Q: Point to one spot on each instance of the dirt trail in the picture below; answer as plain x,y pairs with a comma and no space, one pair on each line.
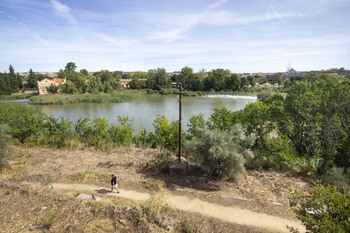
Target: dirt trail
184,203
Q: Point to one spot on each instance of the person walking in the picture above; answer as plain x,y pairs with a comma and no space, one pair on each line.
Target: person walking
114,183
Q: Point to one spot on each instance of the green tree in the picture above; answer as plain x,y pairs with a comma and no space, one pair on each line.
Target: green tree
321,209
167,133
84,72
70,67
222,154
32,79
69,88
12,71
251,80
122,134
157,79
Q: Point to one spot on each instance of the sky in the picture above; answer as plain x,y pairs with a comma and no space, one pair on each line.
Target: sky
139,35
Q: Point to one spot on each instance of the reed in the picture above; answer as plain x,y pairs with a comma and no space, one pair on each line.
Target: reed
115,97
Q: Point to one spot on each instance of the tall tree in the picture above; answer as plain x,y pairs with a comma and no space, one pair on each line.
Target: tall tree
12,71
70,67
32,79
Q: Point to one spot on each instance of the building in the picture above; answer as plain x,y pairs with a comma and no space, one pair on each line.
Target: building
44,84
125,83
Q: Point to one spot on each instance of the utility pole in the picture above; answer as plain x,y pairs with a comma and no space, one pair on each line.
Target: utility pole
180,112
179,167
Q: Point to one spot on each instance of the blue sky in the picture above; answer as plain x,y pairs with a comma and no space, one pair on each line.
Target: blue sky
138,35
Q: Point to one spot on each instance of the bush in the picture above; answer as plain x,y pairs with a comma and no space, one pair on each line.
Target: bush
6,148
167,133
153,208
221,153
122,134
337,177
321,209
161,162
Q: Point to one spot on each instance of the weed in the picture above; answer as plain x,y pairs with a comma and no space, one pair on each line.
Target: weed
50,218
86,174
45,181
153,207
78,177
152,184
190,228
76,194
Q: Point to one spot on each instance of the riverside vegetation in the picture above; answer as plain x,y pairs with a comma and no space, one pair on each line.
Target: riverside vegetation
306,132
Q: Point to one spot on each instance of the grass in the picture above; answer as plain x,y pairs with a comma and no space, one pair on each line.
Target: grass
17,96
152,184
116,97
155,206
85,175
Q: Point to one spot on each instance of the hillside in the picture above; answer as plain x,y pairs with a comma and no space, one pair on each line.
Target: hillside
38,193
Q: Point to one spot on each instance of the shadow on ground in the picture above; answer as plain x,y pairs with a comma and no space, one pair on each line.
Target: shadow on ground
195,179
103,191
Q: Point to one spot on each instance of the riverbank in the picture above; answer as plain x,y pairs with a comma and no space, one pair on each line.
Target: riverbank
116,97
18,96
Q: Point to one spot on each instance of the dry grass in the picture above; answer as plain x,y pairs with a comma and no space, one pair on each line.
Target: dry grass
26,188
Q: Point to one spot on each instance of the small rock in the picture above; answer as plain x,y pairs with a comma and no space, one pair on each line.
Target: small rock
33,228
123,222
43,208
23,226
88,197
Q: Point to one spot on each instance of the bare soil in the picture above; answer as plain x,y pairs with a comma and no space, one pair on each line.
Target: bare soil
38,195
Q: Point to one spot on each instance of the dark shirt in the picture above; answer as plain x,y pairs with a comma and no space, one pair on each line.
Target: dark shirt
113,180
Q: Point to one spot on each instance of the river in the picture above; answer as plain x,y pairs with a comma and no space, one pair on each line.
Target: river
145,109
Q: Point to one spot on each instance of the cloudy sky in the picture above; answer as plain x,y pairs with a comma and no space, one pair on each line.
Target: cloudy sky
138,35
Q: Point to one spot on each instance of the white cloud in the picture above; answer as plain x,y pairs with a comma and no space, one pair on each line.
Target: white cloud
44,42
63,10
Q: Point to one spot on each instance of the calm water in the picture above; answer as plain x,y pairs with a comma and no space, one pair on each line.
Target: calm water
144,110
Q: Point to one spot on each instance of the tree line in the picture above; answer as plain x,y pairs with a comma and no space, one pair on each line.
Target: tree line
105,81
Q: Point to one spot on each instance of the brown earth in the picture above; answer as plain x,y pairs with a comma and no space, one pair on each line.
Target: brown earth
38,194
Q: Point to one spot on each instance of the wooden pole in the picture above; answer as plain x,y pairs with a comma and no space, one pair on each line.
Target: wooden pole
180,103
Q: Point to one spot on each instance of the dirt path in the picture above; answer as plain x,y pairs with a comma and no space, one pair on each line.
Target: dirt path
184,203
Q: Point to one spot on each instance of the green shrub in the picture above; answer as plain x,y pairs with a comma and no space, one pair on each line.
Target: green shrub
167,133
321,209
277,154
337,177
24,121
222,154
6,148
122,134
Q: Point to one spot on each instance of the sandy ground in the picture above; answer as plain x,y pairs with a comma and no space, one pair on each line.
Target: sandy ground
229,214
257,202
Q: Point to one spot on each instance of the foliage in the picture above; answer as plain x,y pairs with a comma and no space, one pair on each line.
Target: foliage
122,134
337,177
10,82
221,119
161,162
152,184
85,98
24,121
278,154
196,121
222,154
321,209
6,149
56,131
153,207
166,133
